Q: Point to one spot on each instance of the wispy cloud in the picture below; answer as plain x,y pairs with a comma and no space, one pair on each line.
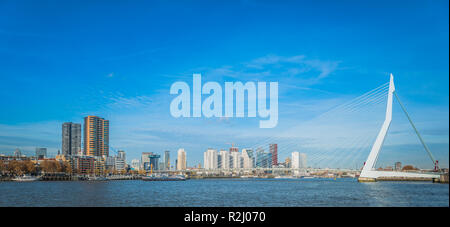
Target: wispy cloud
274,60
120,102
296,66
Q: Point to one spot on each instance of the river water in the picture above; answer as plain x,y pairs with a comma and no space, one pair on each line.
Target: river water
224,192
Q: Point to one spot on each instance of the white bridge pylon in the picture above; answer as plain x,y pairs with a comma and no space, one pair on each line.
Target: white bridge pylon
368,172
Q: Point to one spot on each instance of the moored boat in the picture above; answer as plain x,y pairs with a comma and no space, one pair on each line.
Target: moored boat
26,178
97,178
155,177
286,177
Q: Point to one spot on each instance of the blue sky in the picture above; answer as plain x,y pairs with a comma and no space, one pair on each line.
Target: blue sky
61,61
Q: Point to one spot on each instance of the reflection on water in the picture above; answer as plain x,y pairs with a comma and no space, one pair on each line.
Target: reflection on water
224,192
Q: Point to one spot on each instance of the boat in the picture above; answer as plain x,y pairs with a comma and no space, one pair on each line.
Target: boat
26,178
164,177
91,178
285,177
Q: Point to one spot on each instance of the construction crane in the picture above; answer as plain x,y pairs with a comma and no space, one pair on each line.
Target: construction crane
232,146
113,149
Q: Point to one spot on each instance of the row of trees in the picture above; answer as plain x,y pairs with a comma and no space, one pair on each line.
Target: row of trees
15,168
409,167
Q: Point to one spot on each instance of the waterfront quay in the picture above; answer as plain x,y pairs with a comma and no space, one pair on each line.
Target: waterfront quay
67,177
261,173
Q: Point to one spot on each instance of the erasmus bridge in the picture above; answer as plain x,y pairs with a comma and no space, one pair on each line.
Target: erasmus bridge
368,172
335,152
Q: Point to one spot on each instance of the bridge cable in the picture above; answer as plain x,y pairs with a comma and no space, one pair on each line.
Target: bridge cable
417,132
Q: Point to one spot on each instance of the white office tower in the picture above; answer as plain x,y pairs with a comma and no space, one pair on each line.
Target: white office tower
135,164
303,161
296,163
121,155
295,160
119,164
210,158
224,159
181,161
236,160
247,158
110,161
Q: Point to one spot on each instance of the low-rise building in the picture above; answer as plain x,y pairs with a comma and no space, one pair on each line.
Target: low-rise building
84,164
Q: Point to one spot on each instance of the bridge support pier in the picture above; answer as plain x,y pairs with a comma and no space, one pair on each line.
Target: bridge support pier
366,179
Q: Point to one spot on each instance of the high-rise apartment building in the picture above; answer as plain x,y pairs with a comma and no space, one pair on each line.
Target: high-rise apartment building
298,160
247,156
398,166
150,161
145,158
181,159
120,161
224,159
135,164
119,164
71,138
236,160
96,136
110,161
121,155
263,159
166,160
303,163
295,160
41,152
274,151
210,158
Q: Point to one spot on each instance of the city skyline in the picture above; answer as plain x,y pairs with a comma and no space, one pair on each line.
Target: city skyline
270,146
71,146
123,73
